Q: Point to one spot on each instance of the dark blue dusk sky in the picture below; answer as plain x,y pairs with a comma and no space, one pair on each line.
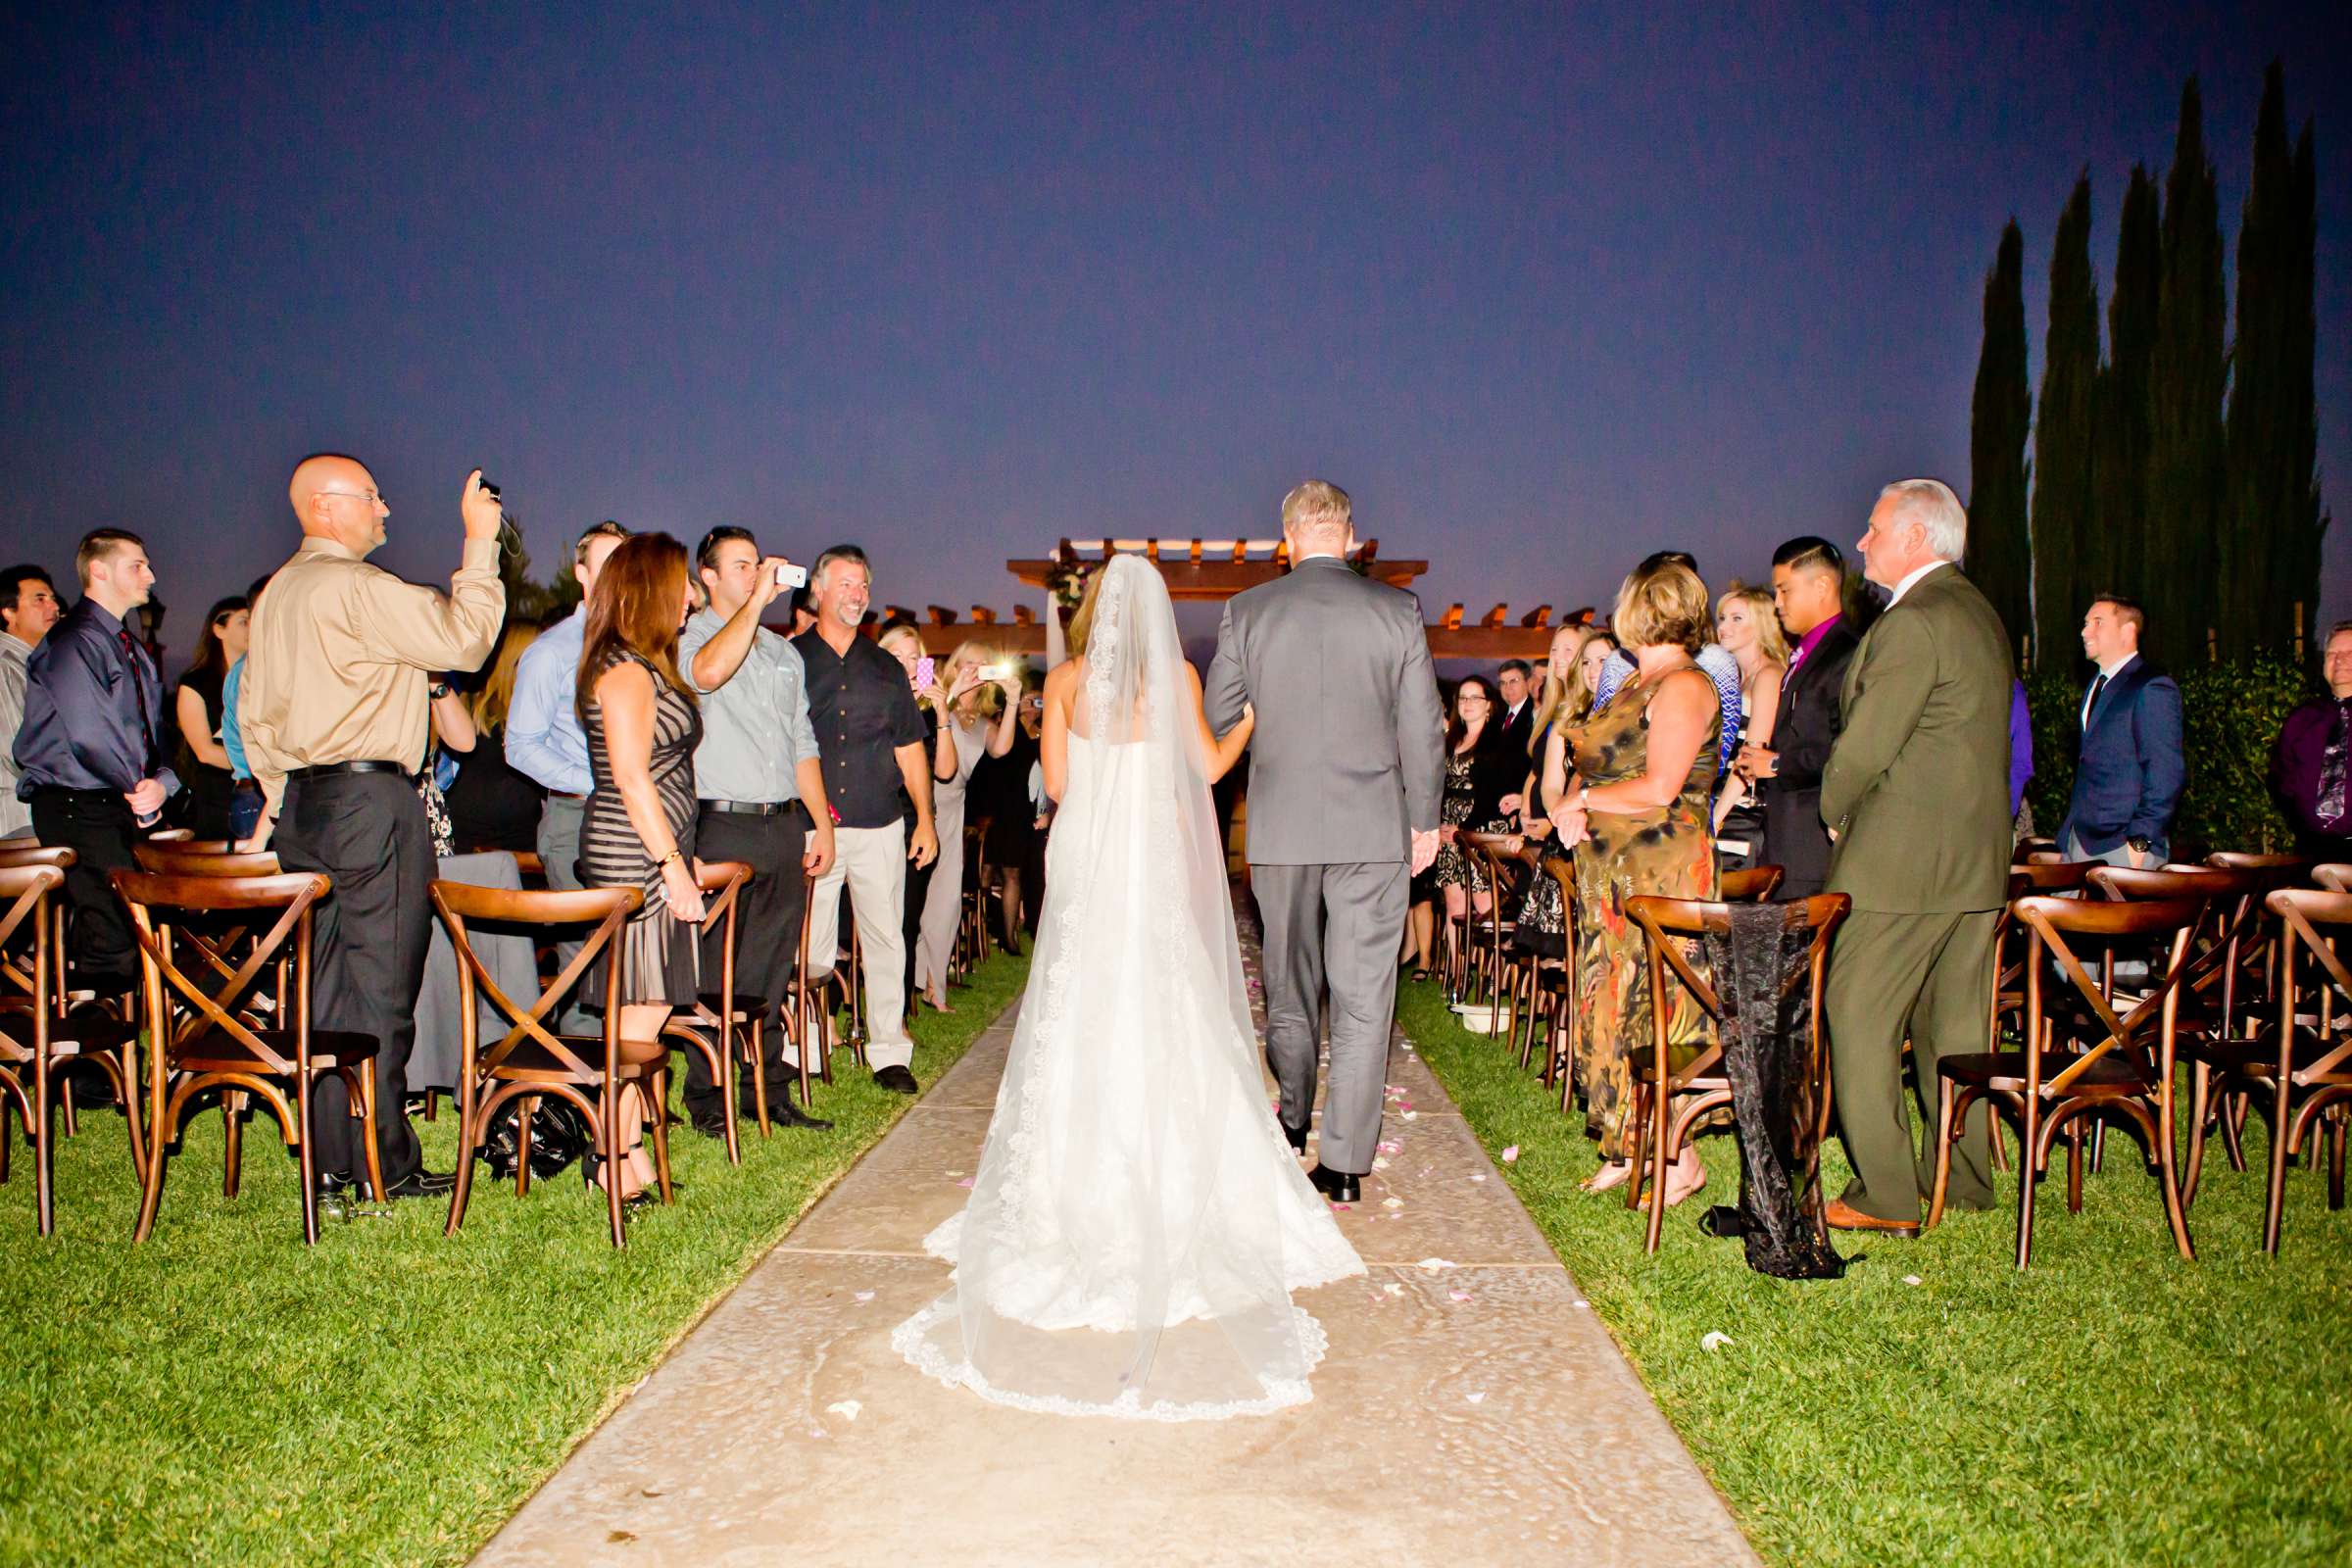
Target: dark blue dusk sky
1543,287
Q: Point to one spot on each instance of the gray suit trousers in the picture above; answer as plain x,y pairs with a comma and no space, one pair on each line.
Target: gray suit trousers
559,855
1335,926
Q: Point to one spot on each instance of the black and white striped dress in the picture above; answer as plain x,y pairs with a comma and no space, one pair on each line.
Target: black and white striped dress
660,956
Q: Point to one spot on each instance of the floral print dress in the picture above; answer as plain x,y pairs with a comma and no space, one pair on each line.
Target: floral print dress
1669,851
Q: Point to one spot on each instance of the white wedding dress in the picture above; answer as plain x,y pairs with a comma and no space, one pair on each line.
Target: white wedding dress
1139,1221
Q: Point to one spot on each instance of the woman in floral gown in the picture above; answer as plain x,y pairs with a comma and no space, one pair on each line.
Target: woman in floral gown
1639,819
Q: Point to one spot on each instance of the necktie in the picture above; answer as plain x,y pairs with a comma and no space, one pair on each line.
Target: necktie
2329,807
2091,705
138,691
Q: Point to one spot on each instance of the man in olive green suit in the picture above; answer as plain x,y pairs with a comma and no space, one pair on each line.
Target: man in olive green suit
1916,796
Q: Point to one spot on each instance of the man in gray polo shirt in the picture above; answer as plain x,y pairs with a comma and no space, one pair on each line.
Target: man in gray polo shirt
763,798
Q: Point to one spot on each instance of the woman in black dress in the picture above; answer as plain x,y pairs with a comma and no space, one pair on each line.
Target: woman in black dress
1482,782
1000,794
637,828
204,760
491,805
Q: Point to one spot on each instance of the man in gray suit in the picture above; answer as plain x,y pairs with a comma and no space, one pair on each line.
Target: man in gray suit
1345,774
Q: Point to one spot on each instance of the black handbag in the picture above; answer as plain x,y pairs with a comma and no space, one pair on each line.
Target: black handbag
560,1135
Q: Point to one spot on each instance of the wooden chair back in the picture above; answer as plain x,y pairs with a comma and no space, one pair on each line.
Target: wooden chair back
2291,870
25,979
605,909
1689,919
2334,877
2052,921
1750,884
2313,923
206,859
182,1005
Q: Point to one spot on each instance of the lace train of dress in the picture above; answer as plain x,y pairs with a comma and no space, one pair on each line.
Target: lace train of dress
1139,1221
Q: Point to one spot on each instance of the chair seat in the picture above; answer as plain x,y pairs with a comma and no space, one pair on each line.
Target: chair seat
744,1005
529,1057
2257,1059
2005,1071
78,1038
223,1051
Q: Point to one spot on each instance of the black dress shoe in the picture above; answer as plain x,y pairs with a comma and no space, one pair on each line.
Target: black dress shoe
1337,1185
784,1114
897,1080
1297,1136
422,1183
711,1124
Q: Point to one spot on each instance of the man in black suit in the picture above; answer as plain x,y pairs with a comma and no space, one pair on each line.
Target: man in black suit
1808,588
1515,684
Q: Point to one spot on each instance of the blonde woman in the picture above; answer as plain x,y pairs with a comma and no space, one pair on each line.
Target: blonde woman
978,713
1639,825
1748,629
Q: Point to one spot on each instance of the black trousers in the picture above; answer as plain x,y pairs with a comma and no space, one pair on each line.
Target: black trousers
368,944
767,935
97,826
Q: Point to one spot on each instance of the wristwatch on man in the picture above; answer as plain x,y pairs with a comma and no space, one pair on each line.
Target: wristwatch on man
2139,844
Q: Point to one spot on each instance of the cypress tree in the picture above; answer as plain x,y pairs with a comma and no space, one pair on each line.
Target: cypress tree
2272,513
2120,478
2000,418
2185,451
2063,434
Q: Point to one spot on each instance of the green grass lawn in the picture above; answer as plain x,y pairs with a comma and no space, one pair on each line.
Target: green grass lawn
222,1395
2113,1405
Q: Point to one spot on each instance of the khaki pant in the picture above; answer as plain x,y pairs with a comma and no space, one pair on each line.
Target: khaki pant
872,861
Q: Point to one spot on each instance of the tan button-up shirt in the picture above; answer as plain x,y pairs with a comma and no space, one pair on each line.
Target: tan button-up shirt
341,655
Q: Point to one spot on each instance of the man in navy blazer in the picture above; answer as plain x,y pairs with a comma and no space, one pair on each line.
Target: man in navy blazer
2129,775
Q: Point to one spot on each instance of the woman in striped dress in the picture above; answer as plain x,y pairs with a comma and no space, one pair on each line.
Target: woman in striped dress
637,829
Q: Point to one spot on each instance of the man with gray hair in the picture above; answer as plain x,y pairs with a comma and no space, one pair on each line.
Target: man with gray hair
1344,777
1916,800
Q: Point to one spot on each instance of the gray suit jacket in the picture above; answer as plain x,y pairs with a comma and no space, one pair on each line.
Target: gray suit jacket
1346,761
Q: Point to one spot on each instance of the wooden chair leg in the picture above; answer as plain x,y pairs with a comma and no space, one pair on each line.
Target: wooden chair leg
523,1106
306,1161
44,1151
2029,1166
2200,1094
2275,1201
2175,1211
723,1069
469,1143
1662,1154
756,1037
2234,1110
2335,1157
371,1146
1944,1097
609,1145
660,1118
232,1114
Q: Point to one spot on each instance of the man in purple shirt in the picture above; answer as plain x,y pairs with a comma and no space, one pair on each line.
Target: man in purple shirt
2308,766
1808,588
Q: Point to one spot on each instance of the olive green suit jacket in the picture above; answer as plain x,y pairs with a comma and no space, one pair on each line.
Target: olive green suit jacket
1917,787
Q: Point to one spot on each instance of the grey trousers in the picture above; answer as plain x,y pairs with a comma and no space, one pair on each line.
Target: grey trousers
560,855
1331,927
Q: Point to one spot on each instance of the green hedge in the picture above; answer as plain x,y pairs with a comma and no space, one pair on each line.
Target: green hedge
2231,715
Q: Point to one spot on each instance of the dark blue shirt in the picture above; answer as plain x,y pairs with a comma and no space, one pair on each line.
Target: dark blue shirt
93,708
862,707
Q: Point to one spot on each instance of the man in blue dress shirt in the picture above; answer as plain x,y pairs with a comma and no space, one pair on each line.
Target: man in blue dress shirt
544,740
85,754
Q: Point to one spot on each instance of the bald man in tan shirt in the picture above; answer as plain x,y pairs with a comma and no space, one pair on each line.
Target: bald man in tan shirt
333,713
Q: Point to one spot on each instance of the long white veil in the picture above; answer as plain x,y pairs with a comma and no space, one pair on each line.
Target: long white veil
1137,1222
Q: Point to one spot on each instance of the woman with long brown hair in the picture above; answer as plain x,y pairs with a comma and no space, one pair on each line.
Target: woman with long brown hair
212,785
637,829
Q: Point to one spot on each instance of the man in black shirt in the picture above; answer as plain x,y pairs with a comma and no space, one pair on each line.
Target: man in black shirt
86,755
870,738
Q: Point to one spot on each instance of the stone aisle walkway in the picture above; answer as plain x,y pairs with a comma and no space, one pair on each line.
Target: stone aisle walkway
1471,1409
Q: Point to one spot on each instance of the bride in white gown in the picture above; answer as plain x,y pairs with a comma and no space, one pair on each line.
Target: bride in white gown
1139,1220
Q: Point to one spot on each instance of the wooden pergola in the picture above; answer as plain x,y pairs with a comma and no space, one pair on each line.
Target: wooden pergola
1213,571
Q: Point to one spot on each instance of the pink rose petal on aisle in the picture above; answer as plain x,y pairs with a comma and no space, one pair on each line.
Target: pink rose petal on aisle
1459,1296
1390,1148
966,1182
1510,1154
865,1296
1480,1177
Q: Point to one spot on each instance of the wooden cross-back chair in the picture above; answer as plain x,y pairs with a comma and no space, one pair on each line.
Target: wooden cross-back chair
37,1042
2303,1072
532,1062
1486,936
205,1033
971,914
2046,873
2112,1063
2228,980
808,1013
1535,998
724,1024
1659,1127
